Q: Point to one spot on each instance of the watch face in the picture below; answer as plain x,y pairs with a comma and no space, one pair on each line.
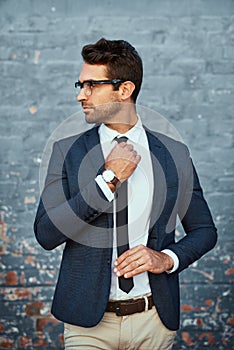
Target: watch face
108,175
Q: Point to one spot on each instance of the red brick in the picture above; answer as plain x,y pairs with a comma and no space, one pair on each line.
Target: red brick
209,336
24,342
6,343
61,339
22,278
11,278
230,320
199,322
40,342
23,293
187,307
187,339
34,309
42,322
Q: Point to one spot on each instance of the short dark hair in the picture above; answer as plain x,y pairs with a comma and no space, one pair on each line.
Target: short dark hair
121,59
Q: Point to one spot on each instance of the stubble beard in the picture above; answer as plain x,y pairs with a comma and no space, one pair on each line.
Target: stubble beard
105,113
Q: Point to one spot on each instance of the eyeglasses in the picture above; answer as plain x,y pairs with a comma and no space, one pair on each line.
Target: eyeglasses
87,85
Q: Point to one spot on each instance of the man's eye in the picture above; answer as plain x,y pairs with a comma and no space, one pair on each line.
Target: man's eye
89,84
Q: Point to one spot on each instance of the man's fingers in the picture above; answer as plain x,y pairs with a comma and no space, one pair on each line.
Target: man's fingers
122,160
131,269
140,259
131,262
128,254
138,158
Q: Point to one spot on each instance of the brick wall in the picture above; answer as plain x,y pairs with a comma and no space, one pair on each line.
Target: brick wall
187,48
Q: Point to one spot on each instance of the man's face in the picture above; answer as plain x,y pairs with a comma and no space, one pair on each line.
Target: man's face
103,104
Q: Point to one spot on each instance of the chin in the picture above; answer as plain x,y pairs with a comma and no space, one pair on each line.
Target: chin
90,119
93,119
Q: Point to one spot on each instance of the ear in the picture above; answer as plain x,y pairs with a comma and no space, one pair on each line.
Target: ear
126,89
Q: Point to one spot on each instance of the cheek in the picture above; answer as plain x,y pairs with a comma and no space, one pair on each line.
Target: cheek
102,97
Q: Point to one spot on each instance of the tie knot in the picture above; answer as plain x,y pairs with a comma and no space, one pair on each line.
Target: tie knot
121,139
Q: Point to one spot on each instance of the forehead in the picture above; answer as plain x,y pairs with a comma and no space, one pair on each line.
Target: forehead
92,72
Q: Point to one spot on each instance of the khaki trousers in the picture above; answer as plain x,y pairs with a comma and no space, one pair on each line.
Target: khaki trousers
143,331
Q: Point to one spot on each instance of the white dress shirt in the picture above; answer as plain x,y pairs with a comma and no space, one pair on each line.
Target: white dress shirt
140,198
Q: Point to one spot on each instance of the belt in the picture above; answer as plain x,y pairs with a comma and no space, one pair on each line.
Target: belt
130,306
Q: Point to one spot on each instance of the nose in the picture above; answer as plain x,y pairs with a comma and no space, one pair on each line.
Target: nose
81,96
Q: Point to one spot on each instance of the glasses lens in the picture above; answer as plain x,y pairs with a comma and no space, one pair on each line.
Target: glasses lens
86,85
87,88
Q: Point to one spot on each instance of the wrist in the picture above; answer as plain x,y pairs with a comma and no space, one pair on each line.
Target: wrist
110,178
104,188
111,186
174,258
169,262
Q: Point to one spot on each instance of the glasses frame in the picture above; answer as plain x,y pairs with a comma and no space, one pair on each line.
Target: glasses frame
91,83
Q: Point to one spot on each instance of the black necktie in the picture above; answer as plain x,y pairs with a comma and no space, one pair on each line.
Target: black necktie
126,284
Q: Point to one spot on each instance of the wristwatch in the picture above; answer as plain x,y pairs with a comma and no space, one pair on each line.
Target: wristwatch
109,176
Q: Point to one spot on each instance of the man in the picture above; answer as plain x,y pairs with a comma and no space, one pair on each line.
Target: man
118,283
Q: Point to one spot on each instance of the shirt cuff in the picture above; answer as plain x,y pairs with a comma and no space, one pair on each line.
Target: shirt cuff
105,188
175,259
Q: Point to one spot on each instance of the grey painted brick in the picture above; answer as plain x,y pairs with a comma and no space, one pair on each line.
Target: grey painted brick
11,149
90,7
220,67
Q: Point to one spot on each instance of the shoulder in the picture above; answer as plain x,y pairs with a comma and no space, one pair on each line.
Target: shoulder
81,137
68,143
173,146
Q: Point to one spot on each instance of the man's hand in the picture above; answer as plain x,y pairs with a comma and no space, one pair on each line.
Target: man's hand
122,160
140,259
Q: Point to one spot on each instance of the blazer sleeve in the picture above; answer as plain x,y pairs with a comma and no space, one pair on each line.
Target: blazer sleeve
60,216
196,219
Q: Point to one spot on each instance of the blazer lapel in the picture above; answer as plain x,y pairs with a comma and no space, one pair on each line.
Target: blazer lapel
158,156
166,182
94,150
97,161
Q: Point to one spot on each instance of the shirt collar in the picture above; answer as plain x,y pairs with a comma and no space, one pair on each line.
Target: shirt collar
133,134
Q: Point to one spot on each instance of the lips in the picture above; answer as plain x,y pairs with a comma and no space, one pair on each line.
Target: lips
86,106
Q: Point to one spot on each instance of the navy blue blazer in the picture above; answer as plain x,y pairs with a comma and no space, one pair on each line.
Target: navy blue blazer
73,210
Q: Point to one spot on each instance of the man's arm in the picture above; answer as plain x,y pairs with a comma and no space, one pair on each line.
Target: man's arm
60,217
201,235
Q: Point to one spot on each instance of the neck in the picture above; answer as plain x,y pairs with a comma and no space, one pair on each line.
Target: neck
124,121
